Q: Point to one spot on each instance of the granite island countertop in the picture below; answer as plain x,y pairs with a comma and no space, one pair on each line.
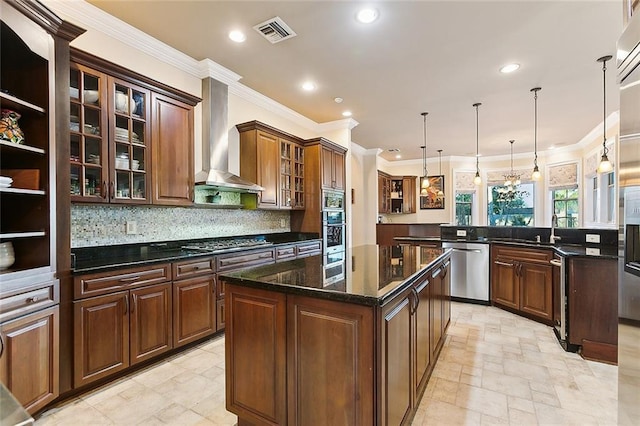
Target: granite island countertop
370,277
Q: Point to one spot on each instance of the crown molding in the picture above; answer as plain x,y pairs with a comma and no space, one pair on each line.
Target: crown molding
87,15
357,149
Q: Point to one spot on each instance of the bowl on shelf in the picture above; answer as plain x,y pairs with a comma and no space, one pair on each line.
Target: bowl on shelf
122,102
91,96
74,92
135,164
7,256
122,163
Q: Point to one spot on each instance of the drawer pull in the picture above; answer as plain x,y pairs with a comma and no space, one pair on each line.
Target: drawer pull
497,262
33,299
130,279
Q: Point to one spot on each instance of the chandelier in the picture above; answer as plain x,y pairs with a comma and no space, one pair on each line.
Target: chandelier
424,180
511,179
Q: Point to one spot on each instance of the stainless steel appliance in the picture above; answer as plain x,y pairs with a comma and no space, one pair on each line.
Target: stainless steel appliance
469,272
333,222
628,171
227,245
561,306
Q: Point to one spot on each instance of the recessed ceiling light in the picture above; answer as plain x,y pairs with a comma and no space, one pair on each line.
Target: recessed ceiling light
509,68
237,36
398,156
308,86
338,100
367,16
346,114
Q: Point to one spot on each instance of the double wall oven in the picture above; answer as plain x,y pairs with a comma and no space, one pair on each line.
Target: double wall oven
333,235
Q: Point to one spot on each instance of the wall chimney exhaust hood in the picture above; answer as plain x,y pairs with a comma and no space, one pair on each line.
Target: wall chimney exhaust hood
215,142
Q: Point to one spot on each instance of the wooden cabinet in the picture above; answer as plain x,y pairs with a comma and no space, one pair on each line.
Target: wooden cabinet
291,175
384,193
422,348
348,329
101,337
172,172
396,347
120,329
333,168
194,307
131,138
593,307
522,280
120,318
396,194
256,355
274,160
29,358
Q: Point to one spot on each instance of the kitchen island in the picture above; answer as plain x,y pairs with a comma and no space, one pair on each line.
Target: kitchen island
355,351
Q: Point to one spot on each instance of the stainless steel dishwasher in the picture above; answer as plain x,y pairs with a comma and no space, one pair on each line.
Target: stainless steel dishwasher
469,272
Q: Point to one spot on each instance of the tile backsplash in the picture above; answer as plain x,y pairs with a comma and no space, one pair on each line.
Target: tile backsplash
98,225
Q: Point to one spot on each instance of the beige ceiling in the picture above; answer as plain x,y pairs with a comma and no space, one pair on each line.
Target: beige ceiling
439,57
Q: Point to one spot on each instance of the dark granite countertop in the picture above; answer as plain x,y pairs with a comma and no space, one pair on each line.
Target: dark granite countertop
373,274
587,250
103,258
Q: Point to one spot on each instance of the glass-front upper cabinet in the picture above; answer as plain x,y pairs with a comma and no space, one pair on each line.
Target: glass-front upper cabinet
88,135
129,138
291,175
109,138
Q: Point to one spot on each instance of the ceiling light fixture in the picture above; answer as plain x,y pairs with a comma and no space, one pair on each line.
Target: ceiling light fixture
338,100
424,180
367,16
237,36
347,114
511,179
509,68
308,86
440,193
477,180
605,165
398,156
536,171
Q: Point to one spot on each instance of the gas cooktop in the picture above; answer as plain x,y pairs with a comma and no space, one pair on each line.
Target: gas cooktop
225,245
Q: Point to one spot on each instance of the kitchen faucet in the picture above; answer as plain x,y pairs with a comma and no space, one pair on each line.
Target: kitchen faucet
554,224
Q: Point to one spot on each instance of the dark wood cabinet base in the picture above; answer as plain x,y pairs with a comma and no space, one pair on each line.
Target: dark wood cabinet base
598,351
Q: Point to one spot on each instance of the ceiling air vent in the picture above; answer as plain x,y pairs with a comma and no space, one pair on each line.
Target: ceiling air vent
275,30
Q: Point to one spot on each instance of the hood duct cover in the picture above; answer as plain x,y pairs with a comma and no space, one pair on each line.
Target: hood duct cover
215,141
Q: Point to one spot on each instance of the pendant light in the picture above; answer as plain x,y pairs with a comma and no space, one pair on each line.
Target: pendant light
536,172
440,193
424,180
477,180
511,179
605,165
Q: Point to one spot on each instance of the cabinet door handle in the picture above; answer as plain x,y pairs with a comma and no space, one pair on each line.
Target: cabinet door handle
1,346
135,302
126,305
129,280
104,189
112,191
497,262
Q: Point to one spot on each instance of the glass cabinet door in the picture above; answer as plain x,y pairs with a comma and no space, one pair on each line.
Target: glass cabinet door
298,176
130,140
87,140
285,174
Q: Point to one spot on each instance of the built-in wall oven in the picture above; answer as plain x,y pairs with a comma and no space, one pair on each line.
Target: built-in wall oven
333,222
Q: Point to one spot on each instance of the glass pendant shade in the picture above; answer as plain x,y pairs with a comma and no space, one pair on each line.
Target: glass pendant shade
536,173
605,165
477,180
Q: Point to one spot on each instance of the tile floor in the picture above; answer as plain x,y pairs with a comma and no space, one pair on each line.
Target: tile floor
495,368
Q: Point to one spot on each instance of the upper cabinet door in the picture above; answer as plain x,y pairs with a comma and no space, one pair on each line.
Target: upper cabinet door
129,137
172,150
88,138
338,171
268,167
332,169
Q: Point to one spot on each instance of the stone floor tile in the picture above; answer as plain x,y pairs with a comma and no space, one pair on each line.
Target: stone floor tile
482,400
521,404
508,385
441,413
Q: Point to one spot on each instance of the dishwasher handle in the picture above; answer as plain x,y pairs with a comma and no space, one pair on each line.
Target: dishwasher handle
467,250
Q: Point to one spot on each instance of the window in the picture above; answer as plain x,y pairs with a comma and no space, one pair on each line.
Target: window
594,200
464,207
565,207
611,195
511,207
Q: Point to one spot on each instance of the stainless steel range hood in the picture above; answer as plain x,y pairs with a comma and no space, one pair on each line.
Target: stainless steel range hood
215,142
